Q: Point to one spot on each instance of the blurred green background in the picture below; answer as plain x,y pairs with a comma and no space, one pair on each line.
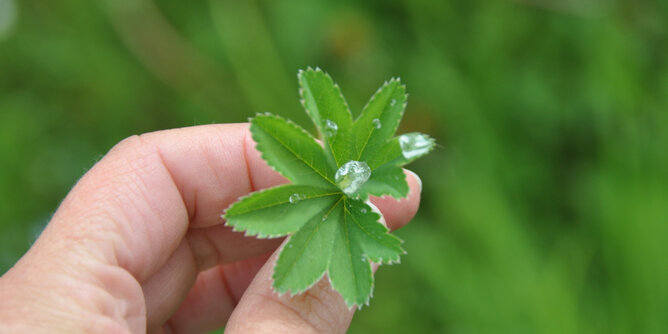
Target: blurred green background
545,208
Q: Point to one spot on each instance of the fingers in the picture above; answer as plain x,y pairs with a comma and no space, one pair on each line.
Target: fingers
220,245
214,296
317,310
164,291
133,208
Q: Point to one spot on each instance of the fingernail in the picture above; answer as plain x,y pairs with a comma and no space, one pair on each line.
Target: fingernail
417,178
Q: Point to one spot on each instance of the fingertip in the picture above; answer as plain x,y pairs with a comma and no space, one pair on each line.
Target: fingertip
399,212
320,309
417,179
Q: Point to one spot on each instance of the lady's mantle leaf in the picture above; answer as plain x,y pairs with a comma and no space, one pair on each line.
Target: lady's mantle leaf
305,258
386,180
279,211
324,102
373,130
402,150
360,239
340,240
375,240
350,269
331,231
292,151
379,120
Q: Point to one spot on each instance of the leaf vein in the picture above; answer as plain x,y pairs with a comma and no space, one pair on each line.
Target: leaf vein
315,230
298,157
257,208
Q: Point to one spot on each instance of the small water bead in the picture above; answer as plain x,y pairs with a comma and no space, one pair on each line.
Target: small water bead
330,128
363,210
376,123
352,175
393,102
415,144
294,198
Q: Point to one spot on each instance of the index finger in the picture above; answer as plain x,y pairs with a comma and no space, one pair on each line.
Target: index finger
143,196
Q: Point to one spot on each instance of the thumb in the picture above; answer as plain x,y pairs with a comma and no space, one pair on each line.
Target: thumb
261,310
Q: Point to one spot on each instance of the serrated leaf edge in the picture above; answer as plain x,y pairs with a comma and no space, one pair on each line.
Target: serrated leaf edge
326,272
296,126
365,196
374,96
309,112
329,78
375,211
253,233
372,99
348,302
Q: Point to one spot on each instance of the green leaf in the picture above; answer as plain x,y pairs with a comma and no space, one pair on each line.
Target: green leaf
388,154
326,106
402,150
291,151
278,211
349,268
386,180
377,243
379,119
329,231
305,257
360,238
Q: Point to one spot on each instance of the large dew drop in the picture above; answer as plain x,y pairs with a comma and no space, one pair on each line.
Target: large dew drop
330,128
352,175
414,144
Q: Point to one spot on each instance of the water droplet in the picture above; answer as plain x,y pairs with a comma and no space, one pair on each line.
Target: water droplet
414,144
363,210
363,258
330,128
376,123
289,246
352,175
294,198
393,102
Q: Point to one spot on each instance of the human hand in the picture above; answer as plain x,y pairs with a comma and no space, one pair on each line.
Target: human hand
138,245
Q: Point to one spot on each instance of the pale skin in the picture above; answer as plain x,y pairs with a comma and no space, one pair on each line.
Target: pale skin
139,245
